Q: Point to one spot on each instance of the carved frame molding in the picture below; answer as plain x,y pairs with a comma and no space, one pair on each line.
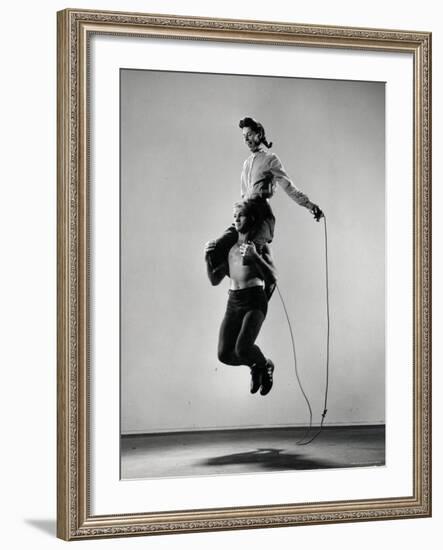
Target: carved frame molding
75,27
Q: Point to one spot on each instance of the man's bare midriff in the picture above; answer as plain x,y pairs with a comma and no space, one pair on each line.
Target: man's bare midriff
242,276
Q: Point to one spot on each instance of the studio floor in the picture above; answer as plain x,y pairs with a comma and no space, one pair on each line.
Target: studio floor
249,451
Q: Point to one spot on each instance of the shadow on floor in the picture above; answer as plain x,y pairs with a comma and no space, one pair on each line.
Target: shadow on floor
48,526
272,459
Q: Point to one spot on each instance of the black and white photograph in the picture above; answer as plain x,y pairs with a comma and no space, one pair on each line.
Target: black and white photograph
221,262
252,274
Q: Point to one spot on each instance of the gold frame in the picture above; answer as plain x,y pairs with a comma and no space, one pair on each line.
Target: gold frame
74,520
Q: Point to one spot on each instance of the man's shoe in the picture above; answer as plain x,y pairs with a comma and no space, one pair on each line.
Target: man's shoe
267,377
256,379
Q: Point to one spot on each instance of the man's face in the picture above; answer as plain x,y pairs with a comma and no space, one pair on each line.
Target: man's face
252,139
240,219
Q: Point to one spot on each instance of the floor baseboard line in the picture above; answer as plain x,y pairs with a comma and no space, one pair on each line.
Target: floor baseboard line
254,428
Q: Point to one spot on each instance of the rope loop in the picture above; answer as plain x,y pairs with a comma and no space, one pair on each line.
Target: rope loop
325,410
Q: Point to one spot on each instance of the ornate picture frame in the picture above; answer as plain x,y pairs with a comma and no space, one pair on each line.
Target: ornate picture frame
76,519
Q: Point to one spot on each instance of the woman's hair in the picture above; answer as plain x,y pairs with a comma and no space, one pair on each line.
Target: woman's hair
249,122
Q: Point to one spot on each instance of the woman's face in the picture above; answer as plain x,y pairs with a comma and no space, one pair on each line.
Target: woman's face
252,139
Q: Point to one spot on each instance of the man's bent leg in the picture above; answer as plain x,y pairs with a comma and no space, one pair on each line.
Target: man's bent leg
241,325
245,348
262,369
227,338
249,353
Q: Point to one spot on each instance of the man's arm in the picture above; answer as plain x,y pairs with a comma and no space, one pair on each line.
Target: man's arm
215,274
264,262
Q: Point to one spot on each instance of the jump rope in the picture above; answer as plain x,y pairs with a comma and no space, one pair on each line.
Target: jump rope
308,437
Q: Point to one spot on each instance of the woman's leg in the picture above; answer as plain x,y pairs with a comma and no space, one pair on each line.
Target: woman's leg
222,246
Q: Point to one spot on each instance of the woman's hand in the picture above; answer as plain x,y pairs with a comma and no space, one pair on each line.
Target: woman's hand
317,213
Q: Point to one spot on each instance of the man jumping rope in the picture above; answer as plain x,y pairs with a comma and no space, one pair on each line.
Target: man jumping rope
247,303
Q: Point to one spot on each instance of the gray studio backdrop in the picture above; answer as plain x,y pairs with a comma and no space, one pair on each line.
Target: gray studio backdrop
181,158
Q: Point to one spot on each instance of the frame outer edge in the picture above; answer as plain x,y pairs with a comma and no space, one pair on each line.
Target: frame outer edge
63,420
72,491
426,270
427,254
429,143
422,284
